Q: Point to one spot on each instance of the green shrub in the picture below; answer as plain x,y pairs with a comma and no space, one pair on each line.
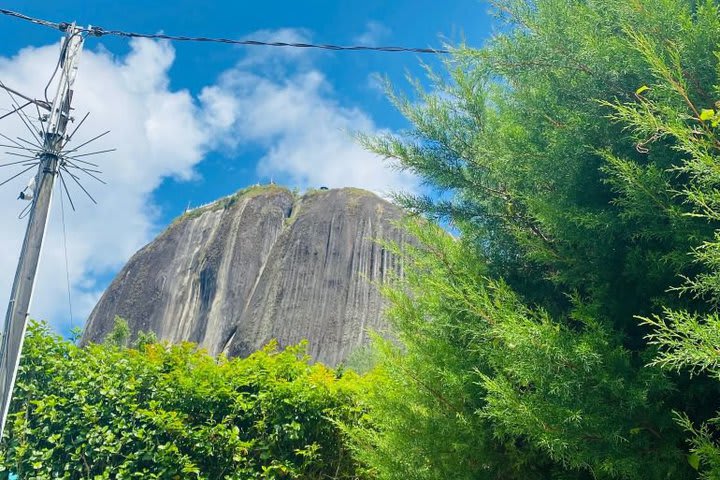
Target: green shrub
167,411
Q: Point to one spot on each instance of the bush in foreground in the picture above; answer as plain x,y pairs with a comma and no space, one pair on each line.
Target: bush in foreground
171,411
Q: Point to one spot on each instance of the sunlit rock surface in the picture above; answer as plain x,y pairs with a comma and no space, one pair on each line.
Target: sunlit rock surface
262,264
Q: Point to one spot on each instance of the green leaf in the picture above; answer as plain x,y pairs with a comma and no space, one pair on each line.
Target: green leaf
102,401
642,90
694,460
707,114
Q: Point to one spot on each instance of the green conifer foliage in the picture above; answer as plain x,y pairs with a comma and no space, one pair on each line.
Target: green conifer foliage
486,387
576,154
519,135
683,109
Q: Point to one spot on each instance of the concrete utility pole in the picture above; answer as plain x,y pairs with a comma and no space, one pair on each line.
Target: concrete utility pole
50,162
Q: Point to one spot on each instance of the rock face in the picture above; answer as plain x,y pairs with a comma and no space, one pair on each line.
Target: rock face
259,265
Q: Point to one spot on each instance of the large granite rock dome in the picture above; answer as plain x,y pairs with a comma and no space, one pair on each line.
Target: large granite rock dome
259,265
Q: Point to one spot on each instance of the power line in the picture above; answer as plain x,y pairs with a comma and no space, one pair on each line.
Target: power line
36,21
101,32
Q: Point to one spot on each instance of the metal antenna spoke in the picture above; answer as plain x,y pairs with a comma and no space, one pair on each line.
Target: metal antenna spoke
79,160
24,149
67,192
13,141
20,155
39,103
77,180
15,163
86,172
95,153
22,115
92,170
14,110
28,142
26,120
74,165
17,175
94,176
89,141
28,123
40,119
13,146
77,127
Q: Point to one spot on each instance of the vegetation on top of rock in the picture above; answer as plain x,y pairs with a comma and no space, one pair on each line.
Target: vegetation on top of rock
230,200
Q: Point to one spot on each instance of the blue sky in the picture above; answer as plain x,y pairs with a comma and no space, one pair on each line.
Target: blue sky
194,122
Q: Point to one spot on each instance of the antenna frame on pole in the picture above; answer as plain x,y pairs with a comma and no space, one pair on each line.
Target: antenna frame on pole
49,166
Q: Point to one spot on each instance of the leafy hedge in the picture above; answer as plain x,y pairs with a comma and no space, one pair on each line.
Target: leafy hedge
163,411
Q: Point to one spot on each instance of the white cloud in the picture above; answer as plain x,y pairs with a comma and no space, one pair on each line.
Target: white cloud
306,133
374,33
275,60
158,133
272,99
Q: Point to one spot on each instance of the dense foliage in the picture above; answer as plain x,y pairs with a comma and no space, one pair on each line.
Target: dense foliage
577,156
672,108
166,412
488,387
570,332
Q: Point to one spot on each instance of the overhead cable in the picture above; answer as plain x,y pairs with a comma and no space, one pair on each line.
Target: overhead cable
101,32
36,21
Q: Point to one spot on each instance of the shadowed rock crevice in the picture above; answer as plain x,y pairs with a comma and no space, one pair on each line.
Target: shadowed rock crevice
258,265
